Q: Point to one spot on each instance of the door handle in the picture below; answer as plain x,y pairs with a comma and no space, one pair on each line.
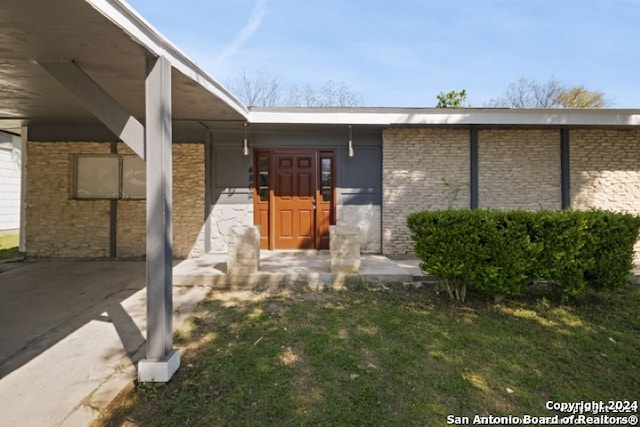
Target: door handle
313,200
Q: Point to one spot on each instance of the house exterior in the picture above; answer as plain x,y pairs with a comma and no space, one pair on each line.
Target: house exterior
297,177
130,150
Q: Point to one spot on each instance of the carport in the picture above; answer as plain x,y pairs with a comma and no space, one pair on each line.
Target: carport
72,65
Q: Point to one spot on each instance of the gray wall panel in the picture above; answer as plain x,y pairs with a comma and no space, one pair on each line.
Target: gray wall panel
358,178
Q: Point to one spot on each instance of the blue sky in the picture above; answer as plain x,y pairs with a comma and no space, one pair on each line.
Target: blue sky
402,53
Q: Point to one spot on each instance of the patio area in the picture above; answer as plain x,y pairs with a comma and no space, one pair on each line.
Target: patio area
301,269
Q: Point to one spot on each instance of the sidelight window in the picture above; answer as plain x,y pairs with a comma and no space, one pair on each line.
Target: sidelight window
325,179
263,178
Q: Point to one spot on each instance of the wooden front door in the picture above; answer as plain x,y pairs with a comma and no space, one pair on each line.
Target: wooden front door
294,198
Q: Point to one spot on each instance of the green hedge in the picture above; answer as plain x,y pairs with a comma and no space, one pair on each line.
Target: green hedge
501,252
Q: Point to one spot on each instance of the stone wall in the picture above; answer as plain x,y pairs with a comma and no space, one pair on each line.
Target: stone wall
605,169
519,169
221,219
188,196
58,226
367,219
421,169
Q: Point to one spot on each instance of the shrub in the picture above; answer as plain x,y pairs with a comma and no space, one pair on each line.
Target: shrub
500,252
610,249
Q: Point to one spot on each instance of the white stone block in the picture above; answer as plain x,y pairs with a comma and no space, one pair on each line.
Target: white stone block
244,250
159,371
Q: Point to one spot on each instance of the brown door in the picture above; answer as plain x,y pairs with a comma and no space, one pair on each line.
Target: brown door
294,203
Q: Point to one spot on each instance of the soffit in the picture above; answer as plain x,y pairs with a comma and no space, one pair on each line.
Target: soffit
111,44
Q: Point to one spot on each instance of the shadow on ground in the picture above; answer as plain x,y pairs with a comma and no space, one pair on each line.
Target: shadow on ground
41,303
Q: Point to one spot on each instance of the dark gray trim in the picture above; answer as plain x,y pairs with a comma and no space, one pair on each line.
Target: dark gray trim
41,132
565,169
93,131
473,167
113,217
208,189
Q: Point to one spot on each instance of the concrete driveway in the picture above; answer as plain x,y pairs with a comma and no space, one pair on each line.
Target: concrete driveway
71,335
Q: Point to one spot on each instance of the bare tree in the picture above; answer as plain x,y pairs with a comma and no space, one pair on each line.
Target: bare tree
265,90
261,89
527,93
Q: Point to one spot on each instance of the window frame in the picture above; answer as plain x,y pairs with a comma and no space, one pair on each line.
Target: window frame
119,188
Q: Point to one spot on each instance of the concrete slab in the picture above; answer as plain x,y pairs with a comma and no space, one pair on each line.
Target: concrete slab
72,334
302,269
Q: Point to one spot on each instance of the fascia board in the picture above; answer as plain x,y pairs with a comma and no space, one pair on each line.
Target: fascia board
391,117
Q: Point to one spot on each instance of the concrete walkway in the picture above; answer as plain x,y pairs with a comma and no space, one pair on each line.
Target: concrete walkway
72,334
73,331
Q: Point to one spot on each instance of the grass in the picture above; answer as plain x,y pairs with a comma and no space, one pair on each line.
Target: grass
393,357
9,246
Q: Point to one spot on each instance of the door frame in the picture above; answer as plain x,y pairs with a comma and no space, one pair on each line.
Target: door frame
264,198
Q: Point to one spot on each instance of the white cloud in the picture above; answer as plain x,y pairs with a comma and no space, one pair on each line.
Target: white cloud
245,33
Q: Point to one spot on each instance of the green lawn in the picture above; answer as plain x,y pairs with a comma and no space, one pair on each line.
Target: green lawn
393,357
9,246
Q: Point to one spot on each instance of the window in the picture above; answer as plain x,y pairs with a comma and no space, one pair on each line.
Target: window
325,179
134,178
97,177
109,177
263,178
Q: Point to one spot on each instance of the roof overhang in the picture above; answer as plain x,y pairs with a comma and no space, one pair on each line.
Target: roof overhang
387,117
111,44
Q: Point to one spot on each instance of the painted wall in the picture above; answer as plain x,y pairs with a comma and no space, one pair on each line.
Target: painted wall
358,179
10,182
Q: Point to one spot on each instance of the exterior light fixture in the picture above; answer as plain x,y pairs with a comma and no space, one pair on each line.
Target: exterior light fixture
350,142
245,143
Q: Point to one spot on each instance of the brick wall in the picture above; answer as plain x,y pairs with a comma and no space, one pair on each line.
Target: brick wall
519,169
414,164
605,169
58,226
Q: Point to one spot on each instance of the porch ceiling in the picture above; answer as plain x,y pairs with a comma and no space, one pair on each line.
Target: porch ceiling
110,43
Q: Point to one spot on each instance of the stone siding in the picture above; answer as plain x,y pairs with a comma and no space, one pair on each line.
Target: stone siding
222,218
519,169
366,218
605,170
58,226
188,196
421,169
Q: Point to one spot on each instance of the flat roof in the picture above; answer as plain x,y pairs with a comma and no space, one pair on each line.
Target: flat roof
445,116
